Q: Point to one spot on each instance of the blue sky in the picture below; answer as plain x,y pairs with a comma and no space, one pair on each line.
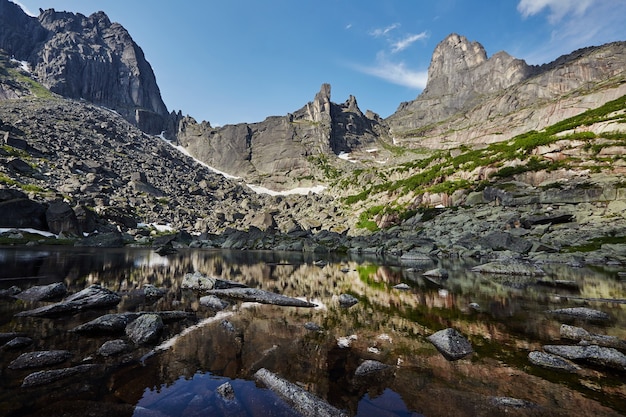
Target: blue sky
234,61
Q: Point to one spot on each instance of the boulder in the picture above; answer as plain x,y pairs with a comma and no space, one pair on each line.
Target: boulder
436,273
43,292
260,296
369,367
40,359
145,329
603,356
302,401
553,362
18,343
94,296
200,282
451,344
23,213
62,219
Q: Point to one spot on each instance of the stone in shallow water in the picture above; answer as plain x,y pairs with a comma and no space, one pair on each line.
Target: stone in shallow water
40,359
603,356
47,377
582,313
113,347
145,329
347,300
260,296
94,296
43,292
451,344
549,361
581,335
369,367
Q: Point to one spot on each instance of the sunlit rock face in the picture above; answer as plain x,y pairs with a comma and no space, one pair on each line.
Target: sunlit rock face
471,98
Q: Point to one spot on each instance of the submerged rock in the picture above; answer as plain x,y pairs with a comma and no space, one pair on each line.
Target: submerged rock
369,367
18,343
213,302
200,282
260,296
109,323
436,273
40,359
549,361
113,347
302,401
94,296
451,344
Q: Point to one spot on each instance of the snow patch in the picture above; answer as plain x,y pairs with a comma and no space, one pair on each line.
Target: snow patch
298,190
28,230
23,65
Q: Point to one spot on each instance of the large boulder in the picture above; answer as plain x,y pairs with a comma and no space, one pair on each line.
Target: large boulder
43,292
603,356
62,219
145,329
94,296
260,296
40,359
23,213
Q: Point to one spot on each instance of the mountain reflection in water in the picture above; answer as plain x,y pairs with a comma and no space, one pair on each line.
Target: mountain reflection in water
503,317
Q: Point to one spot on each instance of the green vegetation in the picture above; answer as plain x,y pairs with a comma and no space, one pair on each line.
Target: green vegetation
26,187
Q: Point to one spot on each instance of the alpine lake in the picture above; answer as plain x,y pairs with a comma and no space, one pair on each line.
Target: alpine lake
318,349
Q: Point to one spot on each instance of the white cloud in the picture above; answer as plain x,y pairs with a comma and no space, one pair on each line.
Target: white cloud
377,33
395,72
558,8
574,25
348,26
24,8
407,41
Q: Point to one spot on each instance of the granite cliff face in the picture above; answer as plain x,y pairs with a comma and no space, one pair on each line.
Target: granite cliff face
282,152
86,58
472,99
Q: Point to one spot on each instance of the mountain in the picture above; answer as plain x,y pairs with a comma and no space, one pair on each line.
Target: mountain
471,99
86,58
284,152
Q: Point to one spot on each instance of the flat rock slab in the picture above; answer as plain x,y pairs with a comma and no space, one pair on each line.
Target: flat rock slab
451,344
553,362
47,377
582,313
260,296
145,329
43,292
509,268
603,356
579,334
94,296
200,282
113,347
40,359
370,367
109,323
302,401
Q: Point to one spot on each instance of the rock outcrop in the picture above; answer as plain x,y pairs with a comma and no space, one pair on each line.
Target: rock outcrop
472,99
87,58
284,152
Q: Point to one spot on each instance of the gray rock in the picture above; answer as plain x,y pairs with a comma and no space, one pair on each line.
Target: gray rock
10,292
347,300
145,329
94,296
603,356
581,335
43,292
302,401
200,282
62,219
369,367
451,344
226,391
582,313
109,323
40,359
102,240
18,343
151,291
46,377
113,347
402,286
213,302
508,402
509,268
436,273
314,327
553,362
23,213
260,296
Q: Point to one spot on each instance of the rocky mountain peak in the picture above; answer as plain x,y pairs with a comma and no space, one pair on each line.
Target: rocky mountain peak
86,57
319,109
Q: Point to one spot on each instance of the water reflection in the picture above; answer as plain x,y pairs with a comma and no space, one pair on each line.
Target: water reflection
504,318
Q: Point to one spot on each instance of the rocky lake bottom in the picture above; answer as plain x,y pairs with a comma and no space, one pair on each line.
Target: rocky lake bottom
360,344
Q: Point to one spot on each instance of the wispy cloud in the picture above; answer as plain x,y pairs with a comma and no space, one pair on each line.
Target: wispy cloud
24,8
558,8
407,41
575,24
377,33
395,72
